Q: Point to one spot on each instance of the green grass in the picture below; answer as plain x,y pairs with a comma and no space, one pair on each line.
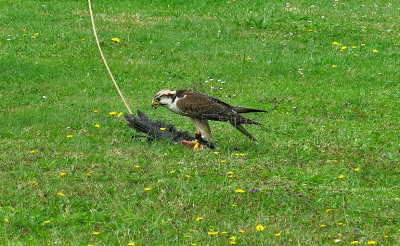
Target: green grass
322,122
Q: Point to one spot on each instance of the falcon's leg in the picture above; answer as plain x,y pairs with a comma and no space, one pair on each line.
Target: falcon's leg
203,127
243,130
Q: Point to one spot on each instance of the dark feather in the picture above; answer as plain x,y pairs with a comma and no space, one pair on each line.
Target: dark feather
143,124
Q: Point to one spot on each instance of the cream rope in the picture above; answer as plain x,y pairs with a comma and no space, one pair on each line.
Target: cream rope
104,60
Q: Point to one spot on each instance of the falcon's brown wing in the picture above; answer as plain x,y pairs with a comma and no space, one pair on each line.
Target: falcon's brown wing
204,107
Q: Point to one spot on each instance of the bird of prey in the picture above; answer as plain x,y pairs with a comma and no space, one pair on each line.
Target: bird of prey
201,108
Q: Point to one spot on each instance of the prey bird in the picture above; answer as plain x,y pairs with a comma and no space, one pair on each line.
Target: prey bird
201,108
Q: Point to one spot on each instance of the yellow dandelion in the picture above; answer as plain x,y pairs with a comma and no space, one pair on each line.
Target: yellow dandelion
248,58
69,136
33,37
337,241
335,43
172,171
7,220
187,176
343,47
334,66
216,152
97,125
386,236
239,191
186,235
277,234
162,128
47,221
234,205
363,44
33,152
23,29
83,39
355,54
328,210
194,244
375,51
63,174
241,231
239,154
354,242
131,244
96,110
212,233
120,114
224,232
223,161
322,226
88,174
34,181
24,34
96,233
371,242
36,34
199,218
341,176
353,47
60,194
232,242
116,40
147,188
260,228
340,223
232,238
112,113
90,245
356,169
310,30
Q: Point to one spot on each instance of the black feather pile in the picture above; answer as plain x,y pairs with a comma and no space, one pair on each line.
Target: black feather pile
158,130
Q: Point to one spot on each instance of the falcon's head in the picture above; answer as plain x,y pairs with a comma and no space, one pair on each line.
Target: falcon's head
163,98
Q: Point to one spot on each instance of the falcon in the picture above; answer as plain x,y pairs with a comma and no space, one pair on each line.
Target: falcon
201,108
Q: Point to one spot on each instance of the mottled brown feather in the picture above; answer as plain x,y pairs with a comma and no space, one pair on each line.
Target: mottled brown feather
205,107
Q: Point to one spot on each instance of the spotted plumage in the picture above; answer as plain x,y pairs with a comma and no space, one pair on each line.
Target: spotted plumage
201,108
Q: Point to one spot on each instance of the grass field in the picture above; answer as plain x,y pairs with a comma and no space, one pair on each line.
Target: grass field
326,169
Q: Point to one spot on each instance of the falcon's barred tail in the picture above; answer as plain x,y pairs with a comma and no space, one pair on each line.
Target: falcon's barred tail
242,120
241,110
243,130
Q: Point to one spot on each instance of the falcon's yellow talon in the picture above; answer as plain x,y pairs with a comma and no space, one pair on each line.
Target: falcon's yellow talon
197,145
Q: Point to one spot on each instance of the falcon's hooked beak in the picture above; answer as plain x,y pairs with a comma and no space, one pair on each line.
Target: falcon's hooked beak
154,103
